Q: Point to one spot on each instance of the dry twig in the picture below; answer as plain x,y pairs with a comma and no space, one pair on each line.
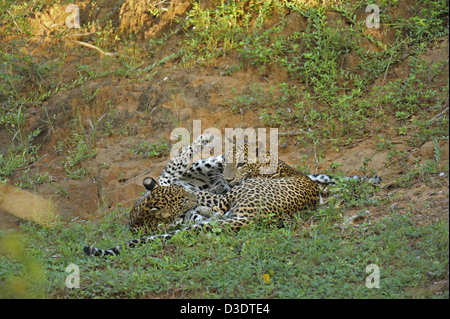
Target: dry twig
91,46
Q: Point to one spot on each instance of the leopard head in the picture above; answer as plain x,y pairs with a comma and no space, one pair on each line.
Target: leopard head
160,205
236,157
242,161
235,173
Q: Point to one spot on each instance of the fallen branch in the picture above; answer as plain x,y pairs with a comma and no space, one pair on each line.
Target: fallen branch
439,115
91,46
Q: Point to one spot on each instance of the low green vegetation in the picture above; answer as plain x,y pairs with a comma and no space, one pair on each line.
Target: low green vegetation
151,149
324,260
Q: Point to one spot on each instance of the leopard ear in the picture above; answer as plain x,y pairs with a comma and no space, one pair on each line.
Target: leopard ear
149,183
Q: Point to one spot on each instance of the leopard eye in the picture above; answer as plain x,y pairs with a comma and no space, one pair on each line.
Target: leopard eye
240,165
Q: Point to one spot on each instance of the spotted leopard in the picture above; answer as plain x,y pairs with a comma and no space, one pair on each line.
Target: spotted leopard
254,197
242,162
201,175
176,171
281,194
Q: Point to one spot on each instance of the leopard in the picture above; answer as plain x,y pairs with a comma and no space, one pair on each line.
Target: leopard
178,172
216,174
200,176
242,162
252,199
280,194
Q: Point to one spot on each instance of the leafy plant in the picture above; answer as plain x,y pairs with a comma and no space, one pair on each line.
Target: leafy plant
145,149
18,156
82,149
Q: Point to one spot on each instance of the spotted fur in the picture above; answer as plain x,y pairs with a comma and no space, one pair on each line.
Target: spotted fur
201,175
255,197
175,170
205,174
238,167
279,194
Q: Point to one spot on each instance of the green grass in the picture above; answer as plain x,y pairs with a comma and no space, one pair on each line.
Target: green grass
145,149
323,261
345,100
